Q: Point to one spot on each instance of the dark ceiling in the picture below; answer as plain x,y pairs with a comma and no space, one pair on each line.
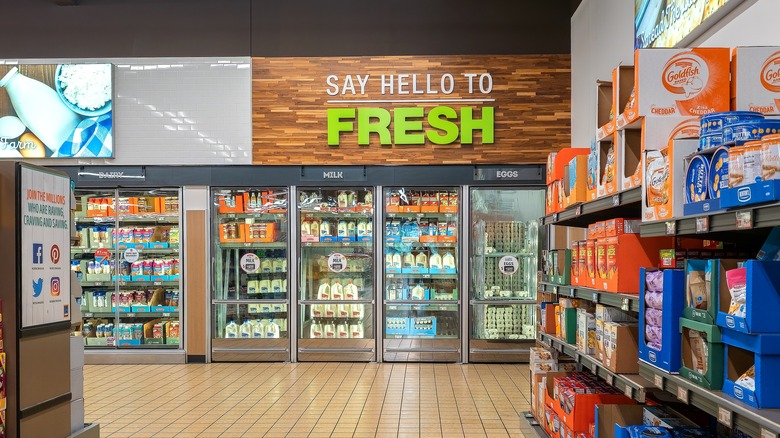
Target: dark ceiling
140,28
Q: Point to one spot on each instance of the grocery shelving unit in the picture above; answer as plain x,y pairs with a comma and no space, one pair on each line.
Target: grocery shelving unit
625,302
618,205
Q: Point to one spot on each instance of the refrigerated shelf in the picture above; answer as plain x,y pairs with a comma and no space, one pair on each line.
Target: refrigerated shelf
260,245
130,314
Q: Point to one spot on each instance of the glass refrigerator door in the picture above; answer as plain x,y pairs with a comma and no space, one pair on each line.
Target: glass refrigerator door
336,281
250,301
93,260
504,248
422,272
148,269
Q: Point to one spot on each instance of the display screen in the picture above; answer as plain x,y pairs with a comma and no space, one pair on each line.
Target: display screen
664,23
56,111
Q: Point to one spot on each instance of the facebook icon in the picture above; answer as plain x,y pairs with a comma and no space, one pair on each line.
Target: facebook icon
37,253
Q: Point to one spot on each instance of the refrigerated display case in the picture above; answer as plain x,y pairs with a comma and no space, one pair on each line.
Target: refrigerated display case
504,265
128,262
336,278
250,300
422,274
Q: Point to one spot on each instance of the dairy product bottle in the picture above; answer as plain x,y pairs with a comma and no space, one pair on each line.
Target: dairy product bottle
369,227
284,285
351,229
40,108
389,258
357,311
258,331
342,331
358,282
356,330
266,265
368,199
342,199
246,329
315,331
330,310
361,228
325,228
448,261
265,287
336,291
435,261
343,310
421,260
408,260
276,286
418,293
272,330
397,260
342,229
317,310
231,330
280,265
324,291
350,291
329,330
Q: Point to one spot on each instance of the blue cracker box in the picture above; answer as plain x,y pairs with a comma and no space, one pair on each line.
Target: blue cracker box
743,351
751,194
666,356
762,299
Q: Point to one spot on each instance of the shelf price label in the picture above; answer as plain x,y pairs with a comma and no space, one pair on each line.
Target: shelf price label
578,211
610,379
628,392
766,433
130,315
615,200
724,416
97,283
671,228
158,282
595,370
745,219
166,315
559,347
555,217
658,380
596,297
682,394
555,290
89,315
703,224
626,306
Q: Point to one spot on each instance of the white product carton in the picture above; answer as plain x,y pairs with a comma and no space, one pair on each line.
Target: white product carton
756,79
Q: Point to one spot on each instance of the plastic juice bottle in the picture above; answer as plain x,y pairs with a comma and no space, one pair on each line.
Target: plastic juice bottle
369,227
361,227
272,330
351,229
231,330
266,265
389,259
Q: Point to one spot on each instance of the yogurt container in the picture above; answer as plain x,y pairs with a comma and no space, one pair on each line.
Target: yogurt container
740,133
696,183
719,171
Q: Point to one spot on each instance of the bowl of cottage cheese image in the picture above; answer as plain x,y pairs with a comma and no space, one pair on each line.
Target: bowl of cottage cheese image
85,88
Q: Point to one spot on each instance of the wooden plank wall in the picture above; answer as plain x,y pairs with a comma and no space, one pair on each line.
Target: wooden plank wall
532,108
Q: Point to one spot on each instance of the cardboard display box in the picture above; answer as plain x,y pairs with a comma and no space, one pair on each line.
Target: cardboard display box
755,81
557,161
667,357
610,166
609,418
629,148
712,375
664,180
762,300
575,186
622,89
605,314
682,82
577,410
619,258
621,340
606,111
705,282
743,351
586,331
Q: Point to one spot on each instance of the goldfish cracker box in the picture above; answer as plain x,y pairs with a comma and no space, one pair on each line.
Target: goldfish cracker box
756,79
682,82
665,144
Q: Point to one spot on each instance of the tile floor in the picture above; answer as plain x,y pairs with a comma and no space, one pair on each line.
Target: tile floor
308,400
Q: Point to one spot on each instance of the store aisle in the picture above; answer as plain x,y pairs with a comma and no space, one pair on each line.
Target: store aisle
307,400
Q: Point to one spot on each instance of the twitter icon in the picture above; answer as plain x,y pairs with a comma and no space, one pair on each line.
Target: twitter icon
37,287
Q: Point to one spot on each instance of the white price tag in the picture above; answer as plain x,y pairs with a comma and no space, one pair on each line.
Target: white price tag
682,394
555,290
158,282
629,392
130,315
659,381
615,200
578,210
766,433
724,416
596,297
671,228
166,315
610,379
626,306
745,219
703,224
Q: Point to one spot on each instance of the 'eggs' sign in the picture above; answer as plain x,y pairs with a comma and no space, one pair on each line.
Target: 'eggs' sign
410,108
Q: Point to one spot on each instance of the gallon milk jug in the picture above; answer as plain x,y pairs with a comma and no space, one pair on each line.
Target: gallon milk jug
357,311
397,260
336,291
369,227
343,310
342,200
330,330
389,259
265,287
368,200
246,329
448,261
408,260
40,108
280,265
356,330
350,291
351,229
276,286
418,293
272,330
325,228
258,330
324,292
330,310
342,331
266,265
253,287
361,228
317,310
231,330
315,331
421,260
435,261
342,229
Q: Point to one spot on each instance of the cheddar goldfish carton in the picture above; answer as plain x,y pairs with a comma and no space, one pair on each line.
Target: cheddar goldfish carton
682,82
756,79
663,192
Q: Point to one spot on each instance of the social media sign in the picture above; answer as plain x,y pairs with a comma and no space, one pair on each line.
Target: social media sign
55,286
54,253
37,253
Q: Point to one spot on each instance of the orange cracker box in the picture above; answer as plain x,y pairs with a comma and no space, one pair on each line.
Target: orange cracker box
575,188
619,258
556,162
682,82
755,79
662,191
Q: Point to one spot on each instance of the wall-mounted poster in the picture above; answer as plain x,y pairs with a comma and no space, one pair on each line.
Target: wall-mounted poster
665,23
56,111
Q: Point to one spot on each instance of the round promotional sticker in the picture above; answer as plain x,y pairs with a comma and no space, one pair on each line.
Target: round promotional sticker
131,255
508,265
337,262
250,263
101,254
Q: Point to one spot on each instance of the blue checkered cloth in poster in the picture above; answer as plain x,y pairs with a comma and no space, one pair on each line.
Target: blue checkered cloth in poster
91,138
